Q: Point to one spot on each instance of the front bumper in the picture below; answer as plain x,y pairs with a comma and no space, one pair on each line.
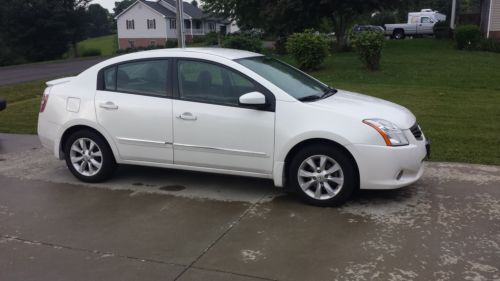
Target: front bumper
385,167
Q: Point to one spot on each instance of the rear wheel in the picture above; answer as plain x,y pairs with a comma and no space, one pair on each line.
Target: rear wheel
89,157
398,34
322,175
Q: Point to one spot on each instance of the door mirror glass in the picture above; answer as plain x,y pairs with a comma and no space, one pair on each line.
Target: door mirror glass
253,98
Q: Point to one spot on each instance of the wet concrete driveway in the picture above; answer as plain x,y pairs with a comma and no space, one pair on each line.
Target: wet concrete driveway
158,224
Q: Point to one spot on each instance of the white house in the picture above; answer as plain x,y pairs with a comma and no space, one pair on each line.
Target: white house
153,22
490,18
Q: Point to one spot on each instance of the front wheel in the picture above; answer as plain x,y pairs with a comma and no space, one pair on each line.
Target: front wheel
322,175
89,157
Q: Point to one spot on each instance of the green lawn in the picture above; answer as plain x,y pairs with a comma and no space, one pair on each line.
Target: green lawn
107,44
454,94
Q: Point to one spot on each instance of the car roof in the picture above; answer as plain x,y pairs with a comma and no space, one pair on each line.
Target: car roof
231,54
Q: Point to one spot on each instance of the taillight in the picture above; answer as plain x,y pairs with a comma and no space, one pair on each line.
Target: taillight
45,100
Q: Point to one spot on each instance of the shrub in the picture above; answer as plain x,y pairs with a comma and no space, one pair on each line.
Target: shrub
369,46
198,39
280,45
171,43
90,52
442,30
490,45
467,37
138,49
211,39
243,43
309,49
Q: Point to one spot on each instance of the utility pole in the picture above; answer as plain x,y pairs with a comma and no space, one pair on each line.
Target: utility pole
181,43
453,13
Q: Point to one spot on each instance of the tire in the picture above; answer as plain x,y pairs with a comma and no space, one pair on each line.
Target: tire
89,157
398,34
335,187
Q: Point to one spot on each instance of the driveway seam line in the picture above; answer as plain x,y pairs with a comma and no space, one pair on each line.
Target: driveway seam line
231,226
98,252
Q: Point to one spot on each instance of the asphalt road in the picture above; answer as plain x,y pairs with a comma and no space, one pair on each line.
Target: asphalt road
160,224
44,70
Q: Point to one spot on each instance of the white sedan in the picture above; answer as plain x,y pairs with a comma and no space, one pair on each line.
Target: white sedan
231,112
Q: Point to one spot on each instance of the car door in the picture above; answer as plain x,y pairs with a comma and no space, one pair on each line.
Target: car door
133,103
211,129
425,26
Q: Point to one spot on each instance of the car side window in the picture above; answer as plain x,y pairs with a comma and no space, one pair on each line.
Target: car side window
142,77
211,83
110,79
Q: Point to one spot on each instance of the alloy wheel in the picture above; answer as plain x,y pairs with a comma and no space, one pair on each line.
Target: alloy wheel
86,157
320,177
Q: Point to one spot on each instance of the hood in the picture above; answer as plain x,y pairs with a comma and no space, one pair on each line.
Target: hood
366,107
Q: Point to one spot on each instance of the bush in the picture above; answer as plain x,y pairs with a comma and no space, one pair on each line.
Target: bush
198,39
369,46
490,45
171,43
243,43
280,45
91,52
138,49
211,39
442,30
308,49
467,37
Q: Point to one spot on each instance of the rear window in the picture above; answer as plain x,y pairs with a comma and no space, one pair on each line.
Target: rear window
144,77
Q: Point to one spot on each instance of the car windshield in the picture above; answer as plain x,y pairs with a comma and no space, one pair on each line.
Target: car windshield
289,79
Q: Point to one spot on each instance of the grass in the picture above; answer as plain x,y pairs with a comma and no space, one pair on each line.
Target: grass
23,103
454,94
106,44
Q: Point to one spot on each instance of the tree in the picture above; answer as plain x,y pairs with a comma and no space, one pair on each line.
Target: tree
194,3
283,17
99,21
122,5
41,29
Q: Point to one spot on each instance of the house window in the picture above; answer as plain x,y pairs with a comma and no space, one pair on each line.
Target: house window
173,23
187,24
151,24
197,24
131,43
130,24
211,26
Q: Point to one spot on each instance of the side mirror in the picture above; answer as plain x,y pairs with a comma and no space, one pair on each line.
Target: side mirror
253,99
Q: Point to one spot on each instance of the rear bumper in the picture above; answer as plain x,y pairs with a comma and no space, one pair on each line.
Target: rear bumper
384,167
47,133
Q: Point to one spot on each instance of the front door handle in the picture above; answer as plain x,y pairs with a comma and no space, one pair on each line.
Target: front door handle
187,116
108,105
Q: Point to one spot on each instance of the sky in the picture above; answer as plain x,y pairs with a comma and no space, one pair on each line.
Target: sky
108,4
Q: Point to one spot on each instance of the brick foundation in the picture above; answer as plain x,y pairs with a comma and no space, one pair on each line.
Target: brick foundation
124,43
495,34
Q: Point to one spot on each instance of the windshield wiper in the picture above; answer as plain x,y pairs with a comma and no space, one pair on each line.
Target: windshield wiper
310,98
328,93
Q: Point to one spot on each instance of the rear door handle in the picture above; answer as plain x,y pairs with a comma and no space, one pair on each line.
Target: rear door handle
187,116
108,105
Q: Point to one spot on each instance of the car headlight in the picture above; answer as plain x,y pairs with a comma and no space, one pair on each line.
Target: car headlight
392,134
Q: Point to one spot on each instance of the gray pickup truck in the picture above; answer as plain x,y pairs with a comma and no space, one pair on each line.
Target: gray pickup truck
419,23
